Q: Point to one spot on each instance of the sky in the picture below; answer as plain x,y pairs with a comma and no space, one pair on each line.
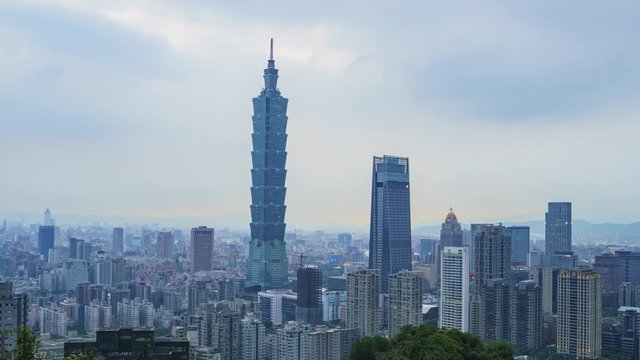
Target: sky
142,109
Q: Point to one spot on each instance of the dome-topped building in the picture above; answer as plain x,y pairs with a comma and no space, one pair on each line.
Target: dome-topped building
451,232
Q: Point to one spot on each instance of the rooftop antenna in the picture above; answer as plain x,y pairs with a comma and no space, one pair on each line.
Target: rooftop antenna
302,257
271,52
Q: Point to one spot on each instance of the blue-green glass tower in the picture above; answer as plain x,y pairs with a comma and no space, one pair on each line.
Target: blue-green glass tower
267,264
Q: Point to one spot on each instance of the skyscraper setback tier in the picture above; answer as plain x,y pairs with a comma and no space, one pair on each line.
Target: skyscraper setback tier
390,232
267,264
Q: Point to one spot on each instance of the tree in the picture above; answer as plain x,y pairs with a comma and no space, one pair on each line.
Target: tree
89,355
28,345
367,348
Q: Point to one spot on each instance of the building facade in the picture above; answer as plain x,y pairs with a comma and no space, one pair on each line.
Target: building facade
579,331
451,232
46,237
491,288
526,317
390,226
309,299
454,289
405,301
164,244
558,250
363,302
268,264
201,249
520,238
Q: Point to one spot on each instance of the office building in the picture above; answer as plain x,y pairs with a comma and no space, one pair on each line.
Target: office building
117,241
451,232
48,220
429,251
616,268
491,289
129,344
164,244
579,329
253,338
519,244
390,231
278,306
558,250
309,301
201,254
76,248
13,313
197,295
103,272
267,265
363,302
474,230
547,279
46,236
405,301
454,289
526,317
331,301
75,272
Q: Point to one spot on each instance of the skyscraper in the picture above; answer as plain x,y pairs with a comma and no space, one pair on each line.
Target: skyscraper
451,232
164,244
201,249
13,313
363,309
558,235
454,289
491,288
117,245
309,302
46,236
390,231
579,333
526,317
519,244
48,220
267,264
405,301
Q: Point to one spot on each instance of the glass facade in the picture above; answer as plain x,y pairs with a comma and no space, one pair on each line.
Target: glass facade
390,232
267,264
558,234
519,244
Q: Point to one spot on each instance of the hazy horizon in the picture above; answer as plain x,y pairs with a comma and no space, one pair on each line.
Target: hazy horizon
141,109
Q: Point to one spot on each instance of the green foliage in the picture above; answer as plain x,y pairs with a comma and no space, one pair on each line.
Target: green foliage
90,355
367,348
28,345
429,343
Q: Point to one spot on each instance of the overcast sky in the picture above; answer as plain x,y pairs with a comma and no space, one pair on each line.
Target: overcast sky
143,108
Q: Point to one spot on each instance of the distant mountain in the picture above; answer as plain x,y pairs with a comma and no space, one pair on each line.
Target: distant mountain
581,229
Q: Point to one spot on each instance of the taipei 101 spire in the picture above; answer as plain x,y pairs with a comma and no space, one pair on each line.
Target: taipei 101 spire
267,265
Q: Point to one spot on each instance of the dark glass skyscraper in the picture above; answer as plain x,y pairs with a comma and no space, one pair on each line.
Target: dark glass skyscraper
520,238
558,234
46,236
390,232
309,300
267,263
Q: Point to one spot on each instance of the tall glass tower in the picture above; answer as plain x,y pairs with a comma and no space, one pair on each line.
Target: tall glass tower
267,263
390,232
558,235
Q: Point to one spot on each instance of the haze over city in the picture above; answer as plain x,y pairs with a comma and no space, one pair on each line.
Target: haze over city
141,110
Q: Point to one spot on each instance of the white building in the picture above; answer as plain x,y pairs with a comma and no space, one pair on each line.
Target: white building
405,301
277,305
291,341
330,344
454,288
97,316
75,272
53,321
136,313
363,309
331,301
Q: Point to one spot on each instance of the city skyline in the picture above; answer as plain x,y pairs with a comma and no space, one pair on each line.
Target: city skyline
101,103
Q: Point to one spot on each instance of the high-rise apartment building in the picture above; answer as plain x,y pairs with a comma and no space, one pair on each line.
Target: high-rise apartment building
267,265
97,316
164,244
616,268
491,288
390,227
451,232
526,317
291,341
519,244
253,338
363,302
558,251
547,279
330,344
197,295
278,306
405,301
454,289
201,254
13,313
309,301
46,236
579,328
53,321
331,301
117,241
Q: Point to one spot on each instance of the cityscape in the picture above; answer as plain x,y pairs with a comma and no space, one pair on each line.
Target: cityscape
386,281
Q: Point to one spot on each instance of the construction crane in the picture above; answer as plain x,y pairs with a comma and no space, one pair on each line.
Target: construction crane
302,257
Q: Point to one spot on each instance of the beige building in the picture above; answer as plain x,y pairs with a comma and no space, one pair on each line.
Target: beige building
405,301
363,303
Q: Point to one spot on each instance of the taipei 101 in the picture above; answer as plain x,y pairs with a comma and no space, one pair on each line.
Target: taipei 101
355,180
